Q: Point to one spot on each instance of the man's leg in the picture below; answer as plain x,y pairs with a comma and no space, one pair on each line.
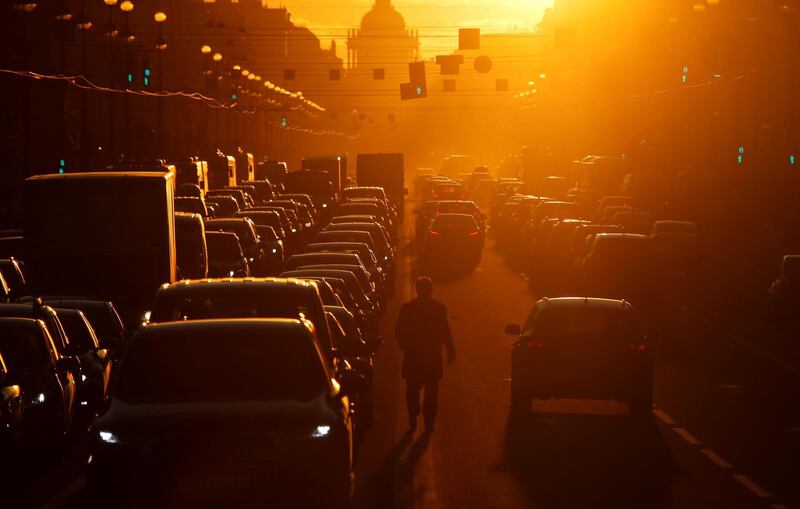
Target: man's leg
431,405
413,387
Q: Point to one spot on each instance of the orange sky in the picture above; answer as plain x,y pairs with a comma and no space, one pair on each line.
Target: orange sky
436,20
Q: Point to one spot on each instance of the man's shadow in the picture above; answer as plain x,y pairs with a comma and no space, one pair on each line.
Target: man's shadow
391,485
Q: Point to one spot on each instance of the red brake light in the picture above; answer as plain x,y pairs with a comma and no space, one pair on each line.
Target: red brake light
433,233
638,347
532,343
475,233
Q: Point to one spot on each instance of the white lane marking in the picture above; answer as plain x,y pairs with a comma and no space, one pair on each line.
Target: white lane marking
757,349
717,459
687,436
665,418
751,485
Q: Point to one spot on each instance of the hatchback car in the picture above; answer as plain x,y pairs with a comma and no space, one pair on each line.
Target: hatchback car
575,347
452,237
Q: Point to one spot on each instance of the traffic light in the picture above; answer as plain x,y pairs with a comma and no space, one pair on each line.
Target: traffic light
130,68
146,72
740,157
417,87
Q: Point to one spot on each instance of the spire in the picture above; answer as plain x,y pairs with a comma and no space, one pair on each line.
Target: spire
383,3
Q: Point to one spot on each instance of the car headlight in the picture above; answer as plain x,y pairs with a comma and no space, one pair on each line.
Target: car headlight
83,377
308,225
251,260
324,205
231,273
320,431
37,399
108,437
294,230
274,251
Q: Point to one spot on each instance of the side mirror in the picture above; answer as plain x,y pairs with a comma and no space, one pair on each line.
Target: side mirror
102,353
513,329
69,364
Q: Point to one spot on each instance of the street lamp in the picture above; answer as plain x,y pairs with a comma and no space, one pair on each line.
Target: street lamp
160,17
25,6
217,57
127,6
205,49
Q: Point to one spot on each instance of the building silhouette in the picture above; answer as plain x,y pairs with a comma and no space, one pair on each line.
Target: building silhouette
382,41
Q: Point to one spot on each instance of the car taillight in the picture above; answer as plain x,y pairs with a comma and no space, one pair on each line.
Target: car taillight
475,233
637,347
533,343
433,233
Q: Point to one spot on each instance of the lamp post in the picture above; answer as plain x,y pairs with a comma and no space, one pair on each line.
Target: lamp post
126,6
84,24
161,45
111,32
25,7
205,50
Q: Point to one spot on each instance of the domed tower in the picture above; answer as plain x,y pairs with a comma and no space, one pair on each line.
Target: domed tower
382,42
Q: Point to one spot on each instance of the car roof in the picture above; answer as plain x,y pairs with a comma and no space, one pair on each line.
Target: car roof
228,325
234,284
620,236
584,303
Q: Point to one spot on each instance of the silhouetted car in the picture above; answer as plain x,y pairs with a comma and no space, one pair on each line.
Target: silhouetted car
224,205
11,270
273,248
322,258
11,405
102,315
191,205
191,252
317,185
225,256
363,209
248,240
622,266
236,194
95,361
452,237
225,411
462,207
577,347
303,199
784,293
383,251
363,251
46,379
358,357
243,298
675,243
263,189
366,302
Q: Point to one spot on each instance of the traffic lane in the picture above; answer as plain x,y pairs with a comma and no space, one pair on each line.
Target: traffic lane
567,454
741,404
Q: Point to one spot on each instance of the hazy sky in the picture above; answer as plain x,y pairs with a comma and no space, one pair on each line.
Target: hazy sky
436,20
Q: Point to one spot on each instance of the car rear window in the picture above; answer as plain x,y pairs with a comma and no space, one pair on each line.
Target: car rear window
220,366
224,247
589,328
461,221
81,336
22,349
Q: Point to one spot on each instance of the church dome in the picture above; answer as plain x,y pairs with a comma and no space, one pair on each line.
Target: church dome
383,17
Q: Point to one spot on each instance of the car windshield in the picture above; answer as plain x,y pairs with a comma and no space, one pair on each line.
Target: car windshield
322,259
267,233
220,366
242,228
223,247
81,336
22,348
262,302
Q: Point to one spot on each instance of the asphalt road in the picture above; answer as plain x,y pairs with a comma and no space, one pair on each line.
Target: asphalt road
725,431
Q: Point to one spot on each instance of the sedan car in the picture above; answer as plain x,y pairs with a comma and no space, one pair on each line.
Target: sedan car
225,411
225,256
452,238
46,380
576,347
246,233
